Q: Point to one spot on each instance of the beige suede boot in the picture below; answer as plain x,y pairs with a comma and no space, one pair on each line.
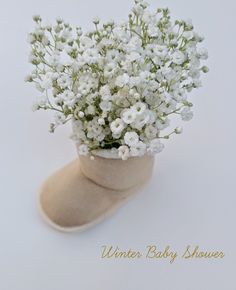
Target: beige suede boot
86,191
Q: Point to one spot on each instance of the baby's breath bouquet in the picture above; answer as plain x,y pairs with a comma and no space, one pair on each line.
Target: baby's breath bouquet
119,83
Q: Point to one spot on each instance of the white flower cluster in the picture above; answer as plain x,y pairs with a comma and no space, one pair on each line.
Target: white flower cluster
119,83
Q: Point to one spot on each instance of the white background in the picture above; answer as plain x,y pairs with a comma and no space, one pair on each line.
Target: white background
190,200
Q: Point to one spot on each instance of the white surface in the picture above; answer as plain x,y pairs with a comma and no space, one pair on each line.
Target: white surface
190,200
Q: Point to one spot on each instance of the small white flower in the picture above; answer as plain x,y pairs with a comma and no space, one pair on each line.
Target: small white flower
81,114
31,38
91,110
139,149
86,42
147,17
68,97
101,121
59,119
140,121
131,138
105,93
91,56
117,126
203,53
96,20
46,82
54,59
122,80
100,137
178,57
178,130
133,56
162,124
128,116
188,34
205,69
109,70
186,114
153,31
189,22
45,40
150,132
113,56
42,101
123,152
83,149
64,81
105,106
138,9
119,33
35,107
59,20
152,116
155,146
139,108
28,78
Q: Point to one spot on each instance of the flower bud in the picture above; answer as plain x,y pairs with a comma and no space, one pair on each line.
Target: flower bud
205,69
37,18
101,121
178,130
59,20
28,78
81,114
52,128
96,20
